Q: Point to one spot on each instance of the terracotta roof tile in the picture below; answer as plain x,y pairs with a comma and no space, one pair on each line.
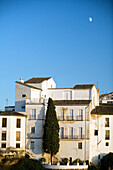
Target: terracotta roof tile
11,113
71,102
37,79
83,86
103,110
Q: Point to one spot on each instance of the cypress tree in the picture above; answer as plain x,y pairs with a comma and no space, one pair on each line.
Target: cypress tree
51,131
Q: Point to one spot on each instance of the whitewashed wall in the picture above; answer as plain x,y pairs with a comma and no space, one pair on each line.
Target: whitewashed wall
11,131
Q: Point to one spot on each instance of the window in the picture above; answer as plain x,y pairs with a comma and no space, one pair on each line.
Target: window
107,144
96,132
80,133
62,115
23,107
81,114
3,135
70,95
32,129
106,122
3,145
4,122
80,145
71,132
18,123
71,114
17,145
23,95
32,144
33,114
17,135
62,132
107,134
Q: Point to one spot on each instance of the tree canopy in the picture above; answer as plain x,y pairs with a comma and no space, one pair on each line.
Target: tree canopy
107,161
51,130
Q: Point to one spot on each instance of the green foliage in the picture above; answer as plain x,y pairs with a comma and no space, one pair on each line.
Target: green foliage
42,160
51,130
77,160
4,167
107,162
93,167
27,164
27,156
64,161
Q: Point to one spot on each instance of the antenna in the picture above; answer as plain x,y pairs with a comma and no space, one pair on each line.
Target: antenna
6,101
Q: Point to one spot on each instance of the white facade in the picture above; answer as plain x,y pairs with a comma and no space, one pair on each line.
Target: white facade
73,109
12,128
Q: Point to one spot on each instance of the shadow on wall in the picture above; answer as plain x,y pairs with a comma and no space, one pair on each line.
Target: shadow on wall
37,136
20,106
96,159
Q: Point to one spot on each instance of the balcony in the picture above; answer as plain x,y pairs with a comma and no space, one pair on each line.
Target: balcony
34,100
70,118
74,137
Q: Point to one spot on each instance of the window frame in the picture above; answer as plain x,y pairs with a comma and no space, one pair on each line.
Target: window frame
18,138
80,145
18,126
4,122
4,138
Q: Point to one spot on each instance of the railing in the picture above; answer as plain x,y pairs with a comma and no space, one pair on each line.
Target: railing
34,100
70,118
74,136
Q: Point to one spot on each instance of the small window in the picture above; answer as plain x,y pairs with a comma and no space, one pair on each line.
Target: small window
17,135
3,145
23,107
106,122
107,134
32,129
23,95
96,132
98,156
32,144
80,145
18,123
3,135
107,144
33,114
4,122
17,145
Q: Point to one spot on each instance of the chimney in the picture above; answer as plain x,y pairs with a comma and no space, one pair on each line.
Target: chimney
21,80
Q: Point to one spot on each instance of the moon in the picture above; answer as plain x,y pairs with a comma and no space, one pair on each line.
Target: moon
90,19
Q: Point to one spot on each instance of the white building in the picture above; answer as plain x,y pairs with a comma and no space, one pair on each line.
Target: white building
106,98
75,108
12,128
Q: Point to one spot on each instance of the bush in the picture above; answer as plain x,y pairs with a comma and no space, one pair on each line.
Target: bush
42,160
92,167
64,161
77,160
27,164
107,162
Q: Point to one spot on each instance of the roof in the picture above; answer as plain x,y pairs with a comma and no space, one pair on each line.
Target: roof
11,113
103,110
25,84
37,79
83,86
107,94
71,102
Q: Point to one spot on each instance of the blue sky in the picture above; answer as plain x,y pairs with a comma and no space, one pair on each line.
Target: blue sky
55,38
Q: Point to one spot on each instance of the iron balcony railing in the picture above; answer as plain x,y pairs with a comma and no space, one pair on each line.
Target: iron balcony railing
70,118
74,137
